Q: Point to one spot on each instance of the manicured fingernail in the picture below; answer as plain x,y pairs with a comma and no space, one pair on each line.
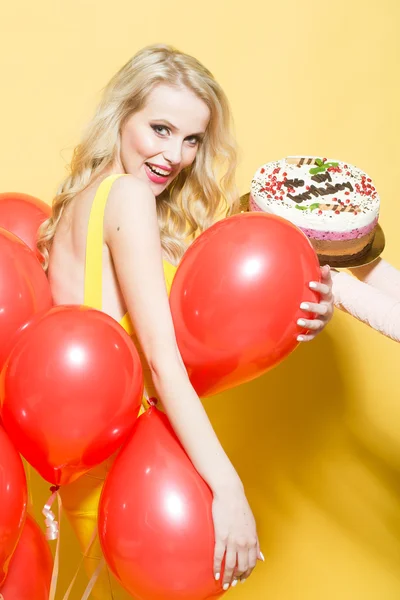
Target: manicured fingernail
217,576
262,556
313,285
234,582
301,322
225,586
300,338
305,306
242,580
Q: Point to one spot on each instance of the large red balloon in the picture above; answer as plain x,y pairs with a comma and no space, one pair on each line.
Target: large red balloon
23,214
155,518
13,500
236,297
31,566
24,289
72,388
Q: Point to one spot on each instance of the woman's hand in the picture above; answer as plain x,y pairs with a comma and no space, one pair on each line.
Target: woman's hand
323,310
236,538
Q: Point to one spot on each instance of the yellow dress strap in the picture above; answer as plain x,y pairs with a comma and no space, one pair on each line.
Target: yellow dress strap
94,245
126,323
169,273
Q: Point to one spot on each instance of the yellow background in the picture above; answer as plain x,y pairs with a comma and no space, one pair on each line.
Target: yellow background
317,440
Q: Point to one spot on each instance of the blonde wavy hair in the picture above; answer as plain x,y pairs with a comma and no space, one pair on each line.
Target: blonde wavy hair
200,194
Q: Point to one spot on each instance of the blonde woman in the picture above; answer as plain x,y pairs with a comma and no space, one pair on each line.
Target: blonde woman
154,168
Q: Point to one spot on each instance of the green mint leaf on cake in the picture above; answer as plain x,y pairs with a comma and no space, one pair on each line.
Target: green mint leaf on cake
322,167
311,207
316,170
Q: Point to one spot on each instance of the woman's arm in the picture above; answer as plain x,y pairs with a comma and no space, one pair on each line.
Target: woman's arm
368,304
381,275
132,234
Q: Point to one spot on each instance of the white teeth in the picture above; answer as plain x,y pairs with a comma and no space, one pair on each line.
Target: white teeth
158,171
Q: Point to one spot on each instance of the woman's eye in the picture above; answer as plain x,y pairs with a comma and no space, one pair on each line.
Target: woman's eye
193,141
160,129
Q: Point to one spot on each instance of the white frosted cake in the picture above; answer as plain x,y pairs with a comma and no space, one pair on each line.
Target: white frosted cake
334,203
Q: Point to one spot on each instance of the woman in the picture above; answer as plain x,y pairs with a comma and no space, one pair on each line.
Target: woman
155,168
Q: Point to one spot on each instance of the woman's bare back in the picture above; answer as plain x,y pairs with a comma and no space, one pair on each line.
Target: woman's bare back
68,255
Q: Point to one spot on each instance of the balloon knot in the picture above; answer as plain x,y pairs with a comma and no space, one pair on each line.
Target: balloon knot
54,488
152,401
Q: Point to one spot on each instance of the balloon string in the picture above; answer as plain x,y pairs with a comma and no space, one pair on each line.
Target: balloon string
71,585
53,530
52,526
93,580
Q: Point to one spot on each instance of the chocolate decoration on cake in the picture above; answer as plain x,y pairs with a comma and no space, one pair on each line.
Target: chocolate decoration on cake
293,183
322,191
321,177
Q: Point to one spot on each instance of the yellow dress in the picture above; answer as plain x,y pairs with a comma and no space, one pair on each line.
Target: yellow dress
81,498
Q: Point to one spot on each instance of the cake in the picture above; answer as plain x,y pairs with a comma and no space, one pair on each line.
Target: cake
334,203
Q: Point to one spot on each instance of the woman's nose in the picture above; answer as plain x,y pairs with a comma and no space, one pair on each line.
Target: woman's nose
173,152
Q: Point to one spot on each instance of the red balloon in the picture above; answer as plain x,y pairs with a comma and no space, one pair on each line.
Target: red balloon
31,567
236,297
24,289
155,518
72,388
13,500
23,214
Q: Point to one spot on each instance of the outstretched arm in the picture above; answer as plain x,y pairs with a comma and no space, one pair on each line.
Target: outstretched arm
132,234
381,275
367,304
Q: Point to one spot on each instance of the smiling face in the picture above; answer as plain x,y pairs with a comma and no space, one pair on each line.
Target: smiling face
162,138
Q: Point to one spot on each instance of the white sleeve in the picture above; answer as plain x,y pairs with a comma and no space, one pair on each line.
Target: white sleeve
381,275
367,304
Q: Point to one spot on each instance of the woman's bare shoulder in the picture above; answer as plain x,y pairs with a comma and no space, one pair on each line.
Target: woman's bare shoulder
130,201
126,189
